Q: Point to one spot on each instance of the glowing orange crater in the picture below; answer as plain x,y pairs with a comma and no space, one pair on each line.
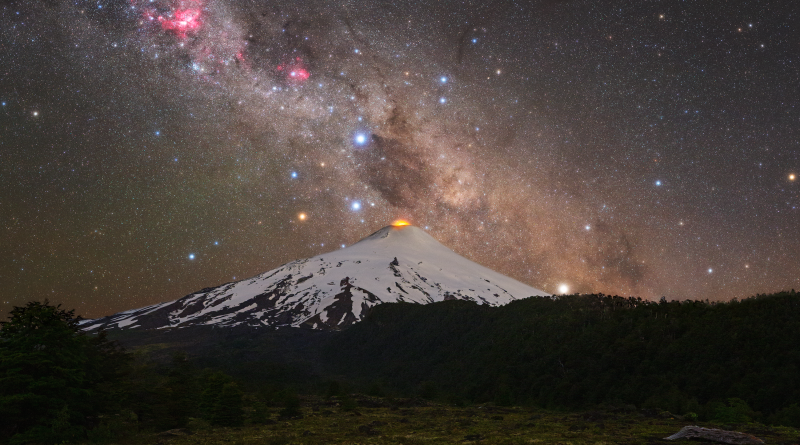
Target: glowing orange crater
401,222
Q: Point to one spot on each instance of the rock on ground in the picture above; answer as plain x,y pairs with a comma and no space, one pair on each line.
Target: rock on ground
715,435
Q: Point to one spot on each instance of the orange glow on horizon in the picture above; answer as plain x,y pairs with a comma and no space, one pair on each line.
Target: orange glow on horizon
401,222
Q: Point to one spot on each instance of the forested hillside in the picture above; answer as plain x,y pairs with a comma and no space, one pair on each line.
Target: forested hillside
577,351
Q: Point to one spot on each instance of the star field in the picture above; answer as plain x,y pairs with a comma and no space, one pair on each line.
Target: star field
152,148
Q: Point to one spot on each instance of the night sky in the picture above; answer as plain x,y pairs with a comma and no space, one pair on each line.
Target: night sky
152,148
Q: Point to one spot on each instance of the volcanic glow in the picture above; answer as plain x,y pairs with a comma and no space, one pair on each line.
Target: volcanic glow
400,223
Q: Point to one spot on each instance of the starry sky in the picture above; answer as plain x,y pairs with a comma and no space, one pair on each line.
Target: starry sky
152,148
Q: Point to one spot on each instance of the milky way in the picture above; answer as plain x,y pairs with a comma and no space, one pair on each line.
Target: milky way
154,148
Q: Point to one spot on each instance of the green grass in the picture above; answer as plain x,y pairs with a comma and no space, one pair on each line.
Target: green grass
325,423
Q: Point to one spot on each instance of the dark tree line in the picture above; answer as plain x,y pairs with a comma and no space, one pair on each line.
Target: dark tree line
578,351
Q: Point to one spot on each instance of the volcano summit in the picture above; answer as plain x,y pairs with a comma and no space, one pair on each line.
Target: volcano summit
333,290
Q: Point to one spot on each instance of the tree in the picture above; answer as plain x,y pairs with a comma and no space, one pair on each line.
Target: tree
212,384
54,379
180,393
221,400
228,409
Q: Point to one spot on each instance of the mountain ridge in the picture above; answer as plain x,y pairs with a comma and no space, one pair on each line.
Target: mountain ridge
334,289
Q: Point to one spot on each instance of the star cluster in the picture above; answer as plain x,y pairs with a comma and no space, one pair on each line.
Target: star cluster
151,148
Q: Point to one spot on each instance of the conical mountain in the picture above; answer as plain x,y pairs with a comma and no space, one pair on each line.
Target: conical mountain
333,290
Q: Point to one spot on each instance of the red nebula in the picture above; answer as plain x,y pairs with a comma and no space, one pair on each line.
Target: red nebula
299,74
185,18
295,71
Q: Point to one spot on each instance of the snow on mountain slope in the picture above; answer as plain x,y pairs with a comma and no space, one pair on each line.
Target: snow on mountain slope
333,290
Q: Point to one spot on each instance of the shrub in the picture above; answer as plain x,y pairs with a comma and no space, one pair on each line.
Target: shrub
788,416
375,390
347,402
291,407
733,411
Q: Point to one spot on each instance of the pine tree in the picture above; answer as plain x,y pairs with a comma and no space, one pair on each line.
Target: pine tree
212,388
181,387
228,407
54,379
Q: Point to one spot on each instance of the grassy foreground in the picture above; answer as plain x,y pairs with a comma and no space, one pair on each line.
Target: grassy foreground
326,423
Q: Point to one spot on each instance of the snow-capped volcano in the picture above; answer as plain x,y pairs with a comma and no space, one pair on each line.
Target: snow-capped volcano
333,290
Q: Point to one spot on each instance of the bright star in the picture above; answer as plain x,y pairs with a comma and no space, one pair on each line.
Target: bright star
361,139
293,174
443,79
658,183
442,100
355,206
588,227
792,176
710,270
191,256
563,289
